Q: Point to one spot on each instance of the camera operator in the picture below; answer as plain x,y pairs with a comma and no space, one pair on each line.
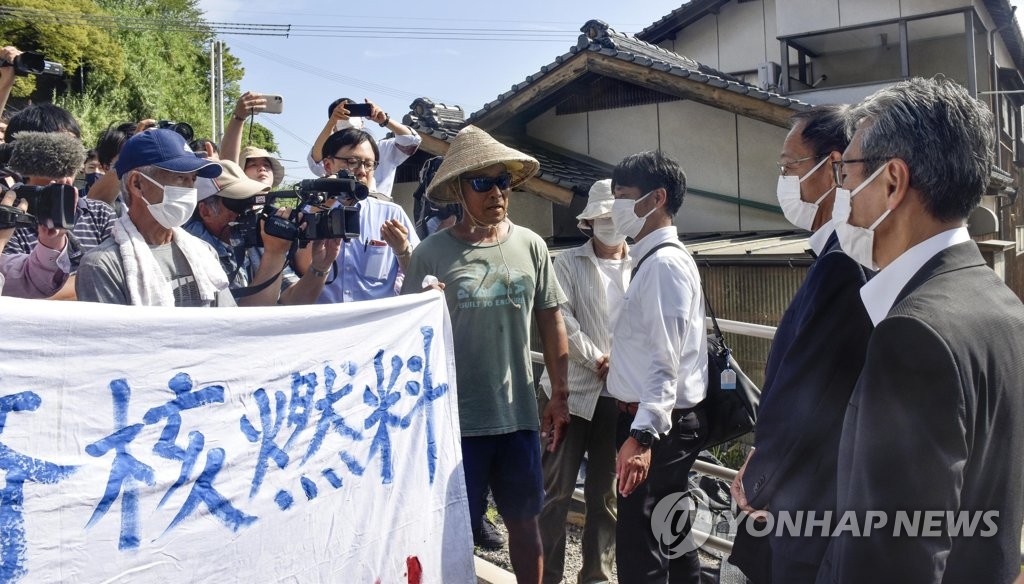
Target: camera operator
7,55
393,151
39,274
150,260
221,201
45,158
368,268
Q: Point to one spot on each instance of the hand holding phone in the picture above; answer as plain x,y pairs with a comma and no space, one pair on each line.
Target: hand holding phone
275,104
359,110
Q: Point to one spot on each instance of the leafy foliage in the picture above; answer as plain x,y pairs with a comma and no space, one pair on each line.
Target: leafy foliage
127,73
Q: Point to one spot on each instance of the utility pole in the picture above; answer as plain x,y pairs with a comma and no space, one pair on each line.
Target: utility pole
220,90
213,95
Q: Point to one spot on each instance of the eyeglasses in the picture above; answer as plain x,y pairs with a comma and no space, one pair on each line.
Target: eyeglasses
484,184
354,163
785,167
838,173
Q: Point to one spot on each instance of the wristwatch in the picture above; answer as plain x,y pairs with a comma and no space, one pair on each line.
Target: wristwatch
644,437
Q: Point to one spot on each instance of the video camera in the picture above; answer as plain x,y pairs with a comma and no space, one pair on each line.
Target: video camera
181,128
52,206
34,64
309,222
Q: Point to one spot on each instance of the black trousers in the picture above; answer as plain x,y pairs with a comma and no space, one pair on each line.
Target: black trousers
638,555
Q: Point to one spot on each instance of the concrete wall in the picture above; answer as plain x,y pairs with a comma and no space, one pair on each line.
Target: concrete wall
738,38
721,153
800,16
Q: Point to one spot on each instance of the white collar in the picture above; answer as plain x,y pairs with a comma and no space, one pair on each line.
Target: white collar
881,291
819,238
660,235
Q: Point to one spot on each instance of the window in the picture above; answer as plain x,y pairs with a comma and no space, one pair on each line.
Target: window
878,53
1020,239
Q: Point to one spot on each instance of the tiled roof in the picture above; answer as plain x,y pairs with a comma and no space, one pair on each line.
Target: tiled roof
680,17
565,169
598,37
435,119
568,170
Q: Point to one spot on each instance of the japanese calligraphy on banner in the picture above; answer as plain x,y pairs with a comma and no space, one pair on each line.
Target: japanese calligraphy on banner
285,444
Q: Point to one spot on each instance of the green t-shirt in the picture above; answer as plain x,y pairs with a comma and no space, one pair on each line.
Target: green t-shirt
491,334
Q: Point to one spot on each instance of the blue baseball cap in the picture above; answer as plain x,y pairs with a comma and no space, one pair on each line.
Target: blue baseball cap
163,149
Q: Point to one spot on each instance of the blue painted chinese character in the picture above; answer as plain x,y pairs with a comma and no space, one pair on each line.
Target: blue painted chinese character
270,428
166,446
125,471
301,404
425,401
332,420
17,469
381,403
203,492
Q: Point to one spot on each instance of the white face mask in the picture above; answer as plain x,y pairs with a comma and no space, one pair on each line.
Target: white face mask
605,232
857,242
624,216
797,211
356,123
177,206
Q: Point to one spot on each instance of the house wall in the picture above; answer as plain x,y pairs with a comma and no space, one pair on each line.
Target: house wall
800,16
721,153
737,39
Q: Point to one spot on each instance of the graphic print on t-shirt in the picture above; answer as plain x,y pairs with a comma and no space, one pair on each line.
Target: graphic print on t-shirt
486,286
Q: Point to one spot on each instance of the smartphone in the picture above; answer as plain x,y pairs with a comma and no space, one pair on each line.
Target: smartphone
275,104
359,110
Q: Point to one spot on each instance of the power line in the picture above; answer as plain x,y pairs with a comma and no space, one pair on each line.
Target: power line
286,30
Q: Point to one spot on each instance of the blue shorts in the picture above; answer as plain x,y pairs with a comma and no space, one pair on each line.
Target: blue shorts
510,465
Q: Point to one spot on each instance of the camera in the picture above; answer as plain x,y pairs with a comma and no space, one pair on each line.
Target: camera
34,64
181,128
310,222
52,206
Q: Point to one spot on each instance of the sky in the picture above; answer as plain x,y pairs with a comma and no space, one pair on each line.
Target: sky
312,71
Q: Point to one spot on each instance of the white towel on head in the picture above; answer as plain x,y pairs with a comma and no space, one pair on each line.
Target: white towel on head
147,284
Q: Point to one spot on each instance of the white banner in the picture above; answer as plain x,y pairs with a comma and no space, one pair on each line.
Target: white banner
285,444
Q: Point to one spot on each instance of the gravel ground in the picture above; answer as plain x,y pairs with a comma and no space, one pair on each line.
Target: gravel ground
573,556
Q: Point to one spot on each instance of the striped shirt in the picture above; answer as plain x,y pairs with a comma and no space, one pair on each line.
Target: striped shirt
585,313
94,221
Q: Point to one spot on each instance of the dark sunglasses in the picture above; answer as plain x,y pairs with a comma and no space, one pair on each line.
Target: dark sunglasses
484,184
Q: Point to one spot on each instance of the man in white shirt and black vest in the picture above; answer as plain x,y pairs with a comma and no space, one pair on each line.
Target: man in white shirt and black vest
658,368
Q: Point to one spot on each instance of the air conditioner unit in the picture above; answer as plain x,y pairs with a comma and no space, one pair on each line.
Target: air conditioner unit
768,75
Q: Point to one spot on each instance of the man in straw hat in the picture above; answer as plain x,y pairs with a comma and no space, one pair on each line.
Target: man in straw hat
594,277
497,274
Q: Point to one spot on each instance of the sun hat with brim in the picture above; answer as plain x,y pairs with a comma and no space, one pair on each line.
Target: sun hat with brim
254,152
473,149
599,202
231,184
163,149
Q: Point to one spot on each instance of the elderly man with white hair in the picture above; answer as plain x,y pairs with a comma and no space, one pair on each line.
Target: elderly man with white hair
151,260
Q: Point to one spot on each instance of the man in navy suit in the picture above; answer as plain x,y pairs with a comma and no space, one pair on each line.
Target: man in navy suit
814,361
935,427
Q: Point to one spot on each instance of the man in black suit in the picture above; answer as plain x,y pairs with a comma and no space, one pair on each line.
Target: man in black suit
816,356
935,425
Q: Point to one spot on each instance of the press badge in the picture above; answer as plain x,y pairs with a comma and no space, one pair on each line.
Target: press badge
728,378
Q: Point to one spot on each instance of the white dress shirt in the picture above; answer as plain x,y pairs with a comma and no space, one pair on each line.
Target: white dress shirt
880,292
659,344
819,238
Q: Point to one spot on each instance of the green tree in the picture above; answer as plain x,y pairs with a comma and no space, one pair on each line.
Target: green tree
129,60
79,47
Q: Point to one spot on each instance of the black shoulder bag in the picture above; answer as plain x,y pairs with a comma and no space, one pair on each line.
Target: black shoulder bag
732,398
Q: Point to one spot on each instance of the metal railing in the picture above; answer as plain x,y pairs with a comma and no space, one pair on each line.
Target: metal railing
720,472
